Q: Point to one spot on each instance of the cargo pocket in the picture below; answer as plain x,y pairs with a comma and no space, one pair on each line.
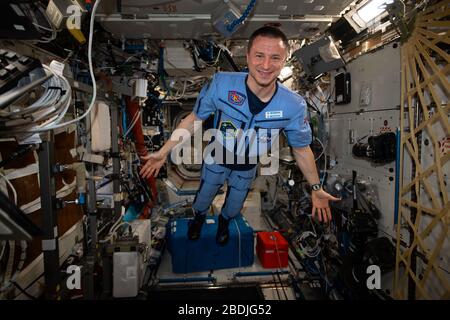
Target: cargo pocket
243,179
214,174
243,183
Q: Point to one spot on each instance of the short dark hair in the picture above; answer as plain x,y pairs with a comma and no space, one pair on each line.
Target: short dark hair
270,32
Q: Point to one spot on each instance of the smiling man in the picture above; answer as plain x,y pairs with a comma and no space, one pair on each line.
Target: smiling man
247,101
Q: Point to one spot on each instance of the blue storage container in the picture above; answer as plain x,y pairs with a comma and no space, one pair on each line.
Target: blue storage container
205,254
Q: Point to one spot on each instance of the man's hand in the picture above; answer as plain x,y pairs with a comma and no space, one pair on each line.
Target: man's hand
152,165
320,204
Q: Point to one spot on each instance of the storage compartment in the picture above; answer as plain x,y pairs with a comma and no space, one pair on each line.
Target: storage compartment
205,254
272,249
126,274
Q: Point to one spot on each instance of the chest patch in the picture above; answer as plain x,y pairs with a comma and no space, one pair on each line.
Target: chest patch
274,114
228,129
236,98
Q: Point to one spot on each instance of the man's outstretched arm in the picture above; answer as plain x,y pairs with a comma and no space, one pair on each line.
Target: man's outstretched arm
305,161
154,161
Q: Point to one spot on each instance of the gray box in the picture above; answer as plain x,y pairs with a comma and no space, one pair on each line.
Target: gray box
126,274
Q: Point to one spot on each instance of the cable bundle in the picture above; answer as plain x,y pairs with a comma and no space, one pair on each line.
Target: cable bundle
187,86
309,251
48,110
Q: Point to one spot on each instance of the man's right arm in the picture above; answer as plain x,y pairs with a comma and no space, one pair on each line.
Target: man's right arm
204,106
186,127
154,161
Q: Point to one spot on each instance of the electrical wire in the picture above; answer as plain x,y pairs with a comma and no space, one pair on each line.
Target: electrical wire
91,72
282,286
9,266
31,15
133,123
53,122
276,286
323,149
3,244
217,59
279,265
50,108
23,255
190,86
176,97
309,252
52,30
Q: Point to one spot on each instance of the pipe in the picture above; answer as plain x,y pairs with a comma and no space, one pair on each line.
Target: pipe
193,279
397,176
259,273
133,110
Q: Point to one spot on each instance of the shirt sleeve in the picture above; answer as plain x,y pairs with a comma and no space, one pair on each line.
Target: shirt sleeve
205,104
298,131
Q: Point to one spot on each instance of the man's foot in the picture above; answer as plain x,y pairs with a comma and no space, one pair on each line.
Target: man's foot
223,233
195,226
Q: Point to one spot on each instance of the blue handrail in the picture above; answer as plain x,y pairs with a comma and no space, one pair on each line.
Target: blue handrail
244,16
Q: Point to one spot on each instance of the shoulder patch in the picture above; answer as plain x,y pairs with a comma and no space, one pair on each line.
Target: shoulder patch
236,98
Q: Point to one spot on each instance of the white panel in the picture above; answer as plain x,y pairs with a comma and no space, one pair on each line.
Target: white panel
100,127
380,71
126,274
176,56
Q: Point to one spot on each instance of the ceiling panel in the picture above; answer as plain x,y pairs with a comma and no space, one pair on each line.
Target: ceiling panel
187,19
330,7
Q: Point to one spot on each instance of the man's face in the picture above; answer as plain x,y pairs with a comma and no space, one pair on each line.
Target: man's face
265,60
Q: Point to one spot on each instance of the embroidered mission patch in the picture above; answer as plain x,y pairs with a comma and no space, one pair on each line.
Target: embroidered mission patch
235,97
228,129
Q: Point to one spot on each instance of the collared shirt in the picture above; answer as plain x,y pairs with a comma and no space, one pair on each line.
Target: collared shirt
235,109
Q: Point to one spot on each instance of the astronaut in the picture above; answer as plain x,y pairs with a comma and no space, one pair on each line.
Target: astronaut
247,102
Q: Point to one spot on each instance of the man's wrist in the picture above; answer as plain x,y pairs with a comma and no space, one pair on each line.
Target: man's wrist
316,187
164,152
